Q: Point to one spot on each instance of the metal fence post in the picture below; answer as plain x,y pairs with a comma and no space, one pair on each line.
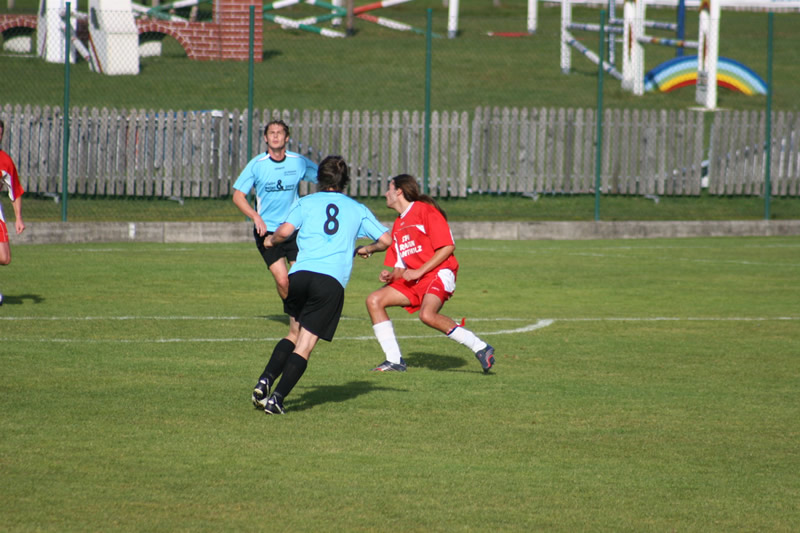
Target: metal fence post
251,83
599,144
768,174
428,55
65,135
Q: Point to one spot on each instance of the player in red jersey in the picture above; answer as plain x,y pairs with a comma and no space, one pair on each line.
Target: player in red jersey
423,275
10,181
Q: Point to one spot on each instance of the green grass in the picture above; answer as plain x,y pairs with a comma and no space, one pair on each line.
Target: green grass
662,397
473,208
382,69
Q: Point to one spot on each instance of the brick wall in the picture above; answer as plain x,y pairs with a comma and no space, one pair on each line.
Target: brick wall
225,39
8,22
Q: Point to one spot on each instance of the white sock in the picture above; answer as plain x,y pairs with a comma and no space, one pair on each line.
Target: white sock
467,338
384,332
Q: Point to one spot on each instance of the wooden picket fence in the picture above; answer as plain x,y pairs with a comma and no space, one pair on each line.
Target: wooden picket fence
510,150
553,151
738,156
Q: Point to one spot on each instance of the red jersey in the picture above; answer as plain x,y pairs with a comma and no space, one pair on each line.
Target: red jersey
416,235
9,179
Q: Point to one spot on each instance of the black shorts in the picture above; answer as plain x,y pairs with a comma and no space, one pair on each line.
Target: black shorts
315,301
287,248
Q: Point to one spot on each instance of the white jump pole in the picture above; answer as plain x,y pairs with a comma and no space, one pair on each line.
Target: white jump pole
634,39
566,52
708,55
533,16
49,36
629,14
452,19
637,51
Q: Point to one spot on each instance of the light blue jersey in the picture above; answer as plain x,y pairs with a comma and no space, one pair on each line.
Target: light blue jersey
329,224
275,184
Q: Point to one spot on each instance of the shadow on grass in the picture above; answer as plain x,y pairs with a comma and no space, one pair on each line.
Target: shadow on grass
9,299
283,319
435,362
270,54
333,394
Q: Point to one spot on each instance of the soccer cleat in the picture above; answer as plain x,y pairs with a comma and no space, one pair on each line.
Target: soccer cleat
486,358
388,366
260,394
274,406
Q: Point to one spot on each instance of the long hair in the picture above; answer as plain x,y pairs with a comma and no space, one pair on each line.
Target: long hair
333,174
408,184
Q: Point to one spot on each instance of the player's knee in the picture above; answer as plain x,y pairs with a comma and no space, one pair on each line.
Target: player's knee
427,316
282,284
373,301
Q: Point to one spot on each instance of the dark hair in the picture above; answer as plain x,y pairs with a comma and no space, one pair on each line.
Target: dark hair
2,124
333,174
279,123
408,184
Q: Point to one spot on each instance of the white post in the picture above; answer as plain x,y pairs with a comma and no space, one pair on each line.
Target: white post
49,35
533,15
628,15
566,20
115,37
637,52
452,19
708,55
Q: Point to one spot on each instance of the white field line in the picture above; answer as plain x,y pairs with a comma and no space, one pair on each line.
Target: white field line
539,324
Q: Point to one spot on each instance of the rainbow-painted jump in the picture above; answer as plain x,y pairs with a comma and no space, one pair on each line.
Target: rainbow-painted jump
682,72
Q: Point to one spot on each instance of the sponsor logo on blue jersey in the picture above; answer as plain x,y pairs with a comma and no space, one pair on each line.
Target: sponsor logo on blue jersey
278,186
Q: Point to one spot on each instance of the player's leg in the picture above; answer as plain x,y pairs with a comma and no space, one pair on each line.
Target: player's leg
5,249
287,250
377,302
280,272
277,361
295,367
317,301
275,258
275,366
430,315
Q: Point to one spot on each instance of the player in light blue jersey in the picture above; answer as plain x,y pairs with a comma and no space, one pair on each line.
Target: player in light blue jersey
327,224
275,176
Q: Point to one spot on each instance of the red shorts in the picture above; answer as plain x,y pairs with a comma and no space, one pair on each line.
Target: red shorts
441,283
3,232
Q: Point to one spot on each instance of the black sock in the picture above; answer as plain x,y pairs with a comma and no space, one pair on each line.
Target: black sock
292,372
274,367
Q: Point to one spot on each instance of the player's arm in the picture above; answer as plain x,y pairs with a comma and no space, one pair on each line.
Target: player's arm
19,224
394,260
311,171
244,206
439,256
283,232
383,242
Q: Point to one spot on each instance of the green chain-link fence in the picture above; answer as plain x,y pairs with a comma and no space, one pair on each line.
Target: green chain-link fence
159,124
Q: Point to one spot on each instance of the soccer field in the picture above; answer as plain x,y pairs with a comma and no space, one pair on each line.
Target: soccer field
640,385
